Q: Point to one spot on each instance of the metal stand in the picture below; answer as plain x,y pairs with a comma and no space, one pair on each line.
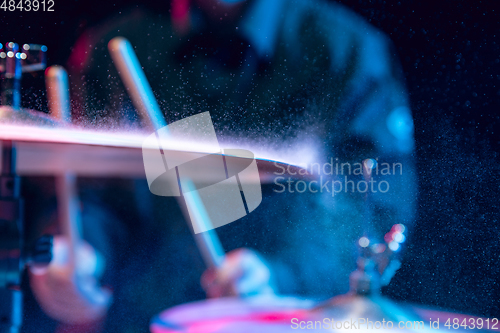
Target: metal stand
377,260
11,242
13,256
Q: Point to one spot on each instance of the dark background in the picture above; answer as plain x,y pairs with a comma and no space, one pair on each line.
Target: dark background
450,55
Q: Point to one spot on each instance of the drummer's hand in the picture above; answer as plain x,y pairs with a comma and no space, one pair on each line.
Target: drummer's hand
71,295
243,273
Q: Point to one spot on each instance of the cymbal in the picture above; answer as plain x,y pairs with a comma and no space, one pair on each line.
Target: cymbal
286,314
45,149
373,309
9,115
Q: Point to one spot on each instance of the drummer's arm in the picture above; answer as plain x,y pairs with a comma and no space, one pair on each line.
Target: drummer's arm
71,292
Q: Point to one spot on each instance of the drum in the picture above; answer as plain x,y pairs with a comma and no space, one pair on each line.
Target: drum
263,314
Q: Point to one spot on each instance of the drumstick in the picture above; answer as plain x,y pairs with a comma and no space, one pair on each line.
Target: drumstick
56,80
142,96
208,242
135,82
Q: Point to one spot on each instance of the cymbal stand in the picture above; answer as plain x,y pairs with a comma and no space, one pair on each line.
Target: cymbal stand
377,260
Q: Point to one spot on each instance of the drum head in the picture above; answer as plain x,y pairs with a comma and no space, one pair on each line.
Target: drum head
349,312
254,314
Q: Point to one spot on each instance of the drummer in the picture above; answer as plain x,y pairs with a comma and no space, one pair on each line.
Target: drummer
305,76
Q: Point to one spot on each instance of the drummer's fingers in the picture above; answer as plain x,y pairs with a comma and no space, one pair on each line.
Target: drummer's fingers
209,284
95,295
220,282
242,272
255,281
234,264
245,273
238,264
208,277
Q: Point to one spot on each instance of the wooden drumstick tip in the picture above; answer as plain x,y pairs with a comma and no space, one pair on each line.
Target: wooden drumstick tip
55,72
117,43
57,85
